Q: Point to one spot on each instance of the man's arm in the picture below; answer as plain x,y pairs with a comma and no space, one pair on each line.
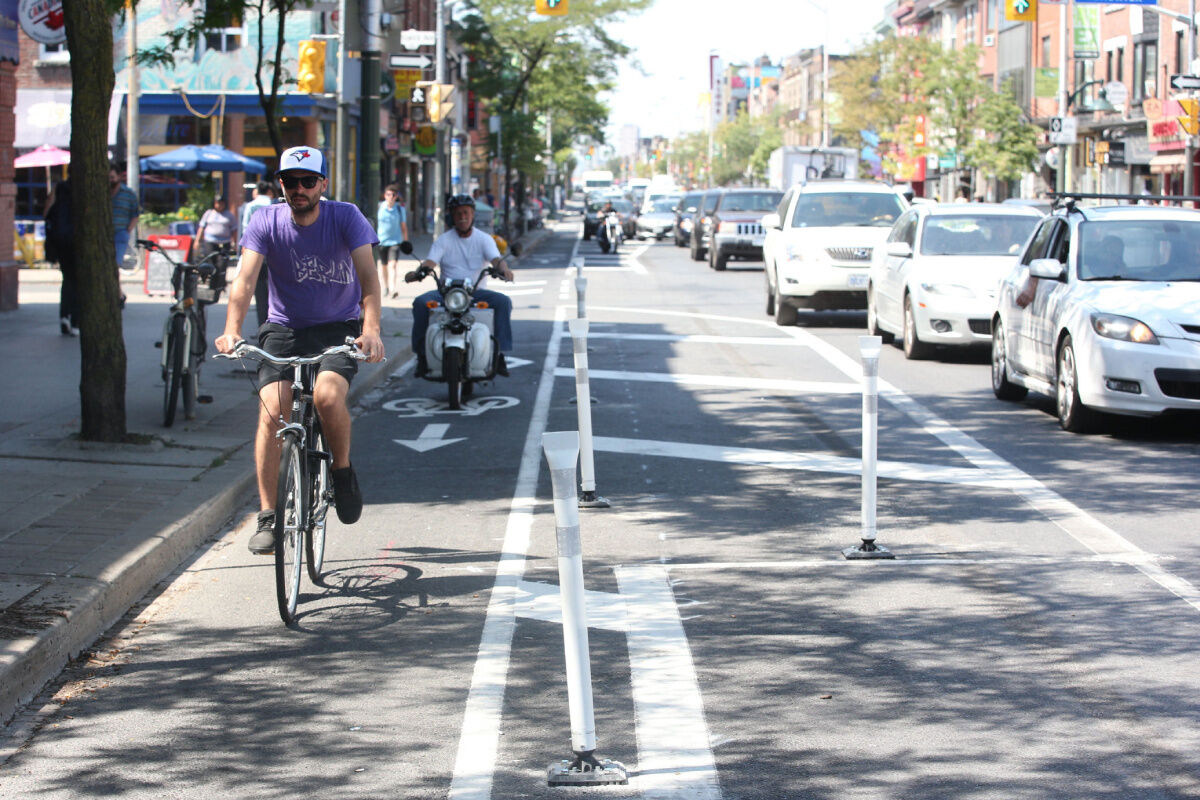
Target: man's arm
502,267
240,295
371,341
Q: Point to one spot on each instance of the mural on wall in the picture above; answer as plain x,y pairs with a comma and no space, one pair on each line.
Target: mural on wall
202,70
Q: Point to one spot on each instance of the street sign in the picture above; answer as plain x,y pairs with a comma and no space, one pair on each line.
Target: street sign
1189,121
411,39
1020,10
1116,93
1063,130
1185,82
410,62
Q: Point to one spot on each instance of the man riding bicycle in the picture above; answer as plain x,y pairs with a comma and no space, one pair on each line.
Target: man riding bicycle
462,251
321,266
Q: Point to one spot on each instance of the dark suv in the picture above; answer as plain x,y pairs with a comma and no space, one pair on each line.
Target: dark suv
684,212
700,220
735,225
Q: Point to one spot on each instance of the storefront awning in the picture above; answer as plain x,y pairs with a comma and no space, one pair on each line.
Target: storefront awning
1172,162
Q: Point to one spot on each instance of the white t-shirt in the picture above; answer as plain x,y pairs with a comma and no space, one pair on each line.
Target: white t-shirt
463,257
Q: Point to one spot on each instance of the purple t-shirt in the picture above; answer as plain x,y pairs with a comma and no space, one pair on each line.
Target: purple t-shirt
309,269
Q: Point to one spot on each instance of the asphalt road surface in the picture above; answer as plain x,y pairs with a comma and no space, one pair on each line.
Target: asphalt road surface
1034,636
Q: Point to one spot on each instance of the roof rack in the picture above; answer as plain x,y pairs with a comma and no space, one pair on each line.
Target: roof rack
1062,198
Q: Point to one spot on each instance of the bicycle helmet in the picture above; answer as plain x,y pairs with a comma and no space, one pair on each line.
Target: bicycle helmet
459,200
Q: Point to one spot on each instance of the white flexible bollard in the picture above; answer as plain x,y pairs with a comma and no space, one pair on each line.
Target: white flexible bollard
581,296
562,450
583,407
869,347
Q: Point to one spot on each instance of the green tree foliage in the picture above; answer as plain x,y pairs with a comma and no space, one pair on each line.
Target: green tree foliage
742,147
101,342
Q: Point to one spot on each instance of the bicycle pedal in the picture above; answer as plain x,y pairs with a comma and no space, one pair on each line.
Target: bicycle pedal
204,398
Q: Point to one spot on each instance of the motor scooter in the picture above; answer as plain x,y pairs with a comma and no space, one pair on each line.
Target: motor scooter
460,348
610,234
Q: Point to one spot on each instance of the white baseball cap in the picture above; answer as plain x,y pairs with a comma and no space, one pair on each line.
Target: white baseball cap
306,158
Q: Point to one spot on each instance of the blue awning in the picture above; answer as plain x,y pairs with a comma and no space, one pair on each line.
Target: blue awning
172,104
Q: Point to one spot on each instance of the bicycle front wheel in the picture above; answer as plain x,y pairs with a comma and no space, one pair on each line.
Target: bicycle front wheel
174,347
291,513
319,459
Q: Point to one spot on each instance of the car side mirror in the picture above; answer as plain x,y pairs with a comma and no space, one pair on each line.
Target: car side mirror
771,221
1049,268
899,249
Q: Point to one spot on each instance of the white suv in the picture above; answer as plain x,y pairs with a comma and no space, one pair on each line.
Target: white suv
819,244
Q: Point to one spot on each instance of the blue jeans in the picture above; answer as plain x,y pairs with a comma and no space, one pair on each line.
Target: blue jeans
121,244
501,307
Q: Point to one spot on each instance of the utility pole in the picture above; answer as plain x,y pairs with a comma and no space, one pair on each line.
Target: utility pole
1066,152
439,224
1189,157
369,151
132,97
341,142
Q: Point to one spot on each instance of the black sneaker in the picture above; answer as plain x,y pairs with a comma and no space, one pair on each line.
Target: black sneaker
422,368
501,365
346,495
262,543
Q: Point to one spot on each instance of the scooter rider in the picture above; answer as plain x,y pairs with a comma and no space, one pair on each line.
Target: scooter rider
462,251
602,232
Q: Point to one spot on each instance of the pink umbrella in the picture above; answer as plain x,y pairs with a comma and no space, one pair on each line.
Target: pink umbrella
45,156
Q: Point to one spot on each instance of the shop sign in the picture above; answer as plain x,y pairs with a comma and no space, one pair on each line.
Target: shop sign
42,21
1162,125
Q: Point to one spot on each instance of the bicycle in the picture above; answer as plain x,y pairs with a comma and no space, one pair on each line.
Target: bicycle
183,341
305,491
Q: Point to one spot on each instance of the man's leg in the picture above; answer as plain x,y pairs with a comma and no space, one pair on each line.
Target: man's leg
420,313
329,396
273,396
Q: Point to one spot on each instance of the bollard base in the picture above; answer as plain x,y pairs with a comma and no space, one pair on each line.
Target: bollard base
867,550
593,500
586,770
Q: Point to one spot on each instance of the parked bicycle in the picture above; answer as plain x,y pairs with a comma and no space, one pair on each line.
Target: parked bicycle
183,340
305,491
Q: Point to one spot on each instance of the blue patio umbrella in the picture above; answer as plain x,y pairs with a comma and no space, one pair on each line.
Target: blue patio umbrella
203,158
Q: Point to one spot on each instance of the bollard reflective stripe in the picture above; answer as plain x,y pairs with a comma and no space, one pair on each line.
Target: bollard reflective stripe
580,295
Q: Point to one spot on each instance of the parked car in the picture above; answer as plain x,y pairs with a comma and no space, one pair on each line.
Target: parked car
658,221
934,281
1102,312
819,244
735,222
700,221
685,209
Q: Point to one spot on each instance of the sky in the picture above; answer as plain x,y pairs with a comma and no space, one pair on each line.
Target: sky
672,41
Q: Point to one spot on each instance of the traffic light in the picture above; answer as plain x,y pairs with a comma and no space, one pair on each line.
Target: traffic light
1020,10
437,101
311,67
1189,121
919,131
551,8
472,111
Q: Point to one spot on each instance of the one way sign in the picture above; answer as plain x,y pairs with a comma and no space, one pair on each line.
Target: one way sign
1185,82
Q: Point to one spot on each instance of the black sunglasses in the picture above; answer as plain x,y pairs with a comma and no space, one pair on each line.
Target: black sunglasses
290,181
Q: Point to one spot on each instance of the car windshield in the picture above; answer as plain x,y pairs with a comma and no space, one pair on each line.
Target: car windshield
690,202
664,206
858,209
1139,250
976,235
751,201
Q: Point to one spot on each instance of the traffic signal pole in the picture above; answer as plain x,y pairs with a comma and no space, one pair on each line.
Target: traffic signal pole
368,201
1065,152
439,166
1189,151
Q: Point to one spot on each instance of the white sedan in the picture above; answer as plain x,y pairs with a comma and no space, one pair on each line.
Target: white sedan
1102,312
934,281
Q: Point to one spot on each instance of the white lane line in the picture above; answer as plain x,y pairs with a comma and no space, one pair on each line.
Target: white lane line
675,758
808,387
478,743
776,341
943,561
635,260
517,292
810,462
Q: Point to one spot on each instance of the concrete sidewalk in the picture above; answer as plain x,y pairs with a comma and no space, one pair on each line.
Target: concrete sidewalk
86,529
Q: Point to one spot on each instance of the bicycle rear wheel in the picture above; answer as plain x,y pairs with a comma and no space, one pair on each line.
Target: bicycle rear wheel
319,459
174,347
291,512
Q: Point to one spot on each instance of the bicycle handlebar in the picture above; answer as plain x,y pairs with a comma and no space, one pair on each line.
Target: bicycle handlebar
205,265
244,348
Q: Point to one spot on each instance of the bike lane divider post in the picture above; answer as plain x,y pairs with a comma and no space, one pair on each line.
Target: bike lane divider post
581,297
562,452
869,347
583,409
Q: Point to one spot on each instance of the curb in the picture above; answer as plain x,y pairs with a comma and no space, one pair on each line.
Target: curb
27,664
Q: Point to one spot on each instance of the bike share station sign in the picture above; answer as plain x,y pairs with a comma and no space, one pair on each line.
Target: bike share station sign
159,270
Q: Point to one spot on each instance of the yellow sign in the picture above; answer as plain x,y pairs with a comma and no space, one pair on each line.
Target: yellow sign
1190,122
551,8
1020,10
405,79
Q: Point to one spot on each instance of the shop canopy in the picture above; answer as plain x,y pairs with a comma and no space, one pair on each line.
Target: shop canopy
203,158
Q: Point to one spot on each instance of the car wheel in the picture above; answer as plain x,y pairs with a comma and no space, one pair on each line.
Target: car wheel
586,234
770,293
1073,415
1002,387
694,252
785,315
914,348
873,319
717,260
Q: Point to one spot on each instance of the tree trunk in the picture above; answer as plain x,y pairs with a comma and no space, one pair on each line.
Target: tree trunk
101,343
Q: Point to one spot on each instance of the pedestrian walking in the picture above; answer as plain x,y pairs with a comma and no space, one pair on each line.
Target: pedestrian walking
60,248
392,227
125,212
218,226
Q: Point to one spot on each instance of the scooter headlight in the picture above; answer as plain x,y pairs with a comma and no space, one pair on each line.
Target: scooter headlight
456,301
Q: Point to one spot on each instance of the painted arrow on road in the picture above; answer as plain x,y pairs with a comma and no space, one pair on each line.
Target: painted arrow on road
430,439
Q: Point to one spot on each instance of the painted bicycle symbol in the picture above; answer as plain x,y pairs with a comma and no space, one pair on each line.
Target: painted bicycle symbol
412,407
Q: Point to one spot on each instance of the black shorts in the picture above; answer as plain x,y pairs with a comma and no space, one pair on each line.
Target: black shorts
280,340
385,253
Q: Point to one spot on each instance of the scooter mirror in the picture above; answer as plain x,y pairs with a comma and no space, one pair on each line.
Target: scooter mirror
406,248
515,248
